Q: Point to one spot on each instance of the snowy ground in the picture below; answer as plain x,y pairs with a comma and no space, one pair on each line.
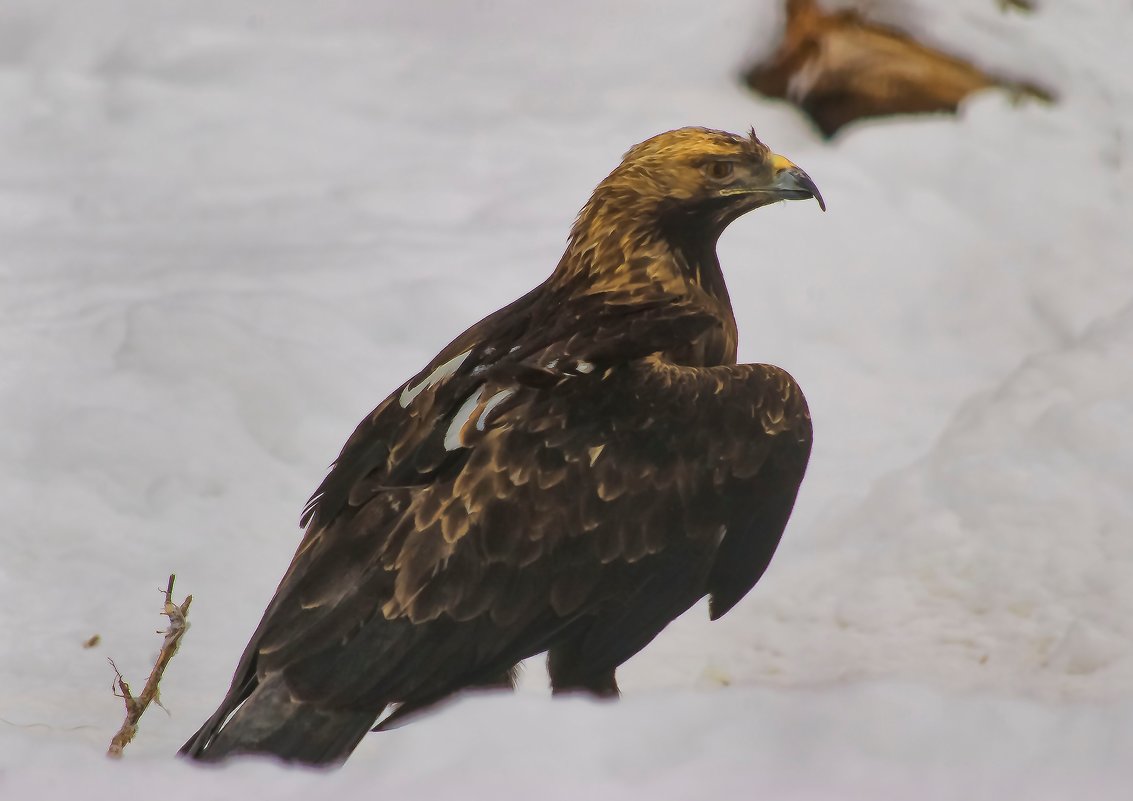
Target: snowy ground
230,228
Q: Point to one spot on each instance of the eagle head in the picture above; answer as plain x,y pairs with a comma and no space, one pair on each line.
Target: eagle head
681,187
693,170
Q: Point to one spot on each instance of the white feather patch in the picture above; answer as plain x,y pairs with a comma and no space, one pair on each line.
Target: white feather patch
492,403
460,420
409,394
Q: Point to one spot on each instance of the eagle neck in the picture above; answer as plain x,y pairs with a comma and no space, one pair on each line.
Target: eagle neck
691,237
647,252
648,262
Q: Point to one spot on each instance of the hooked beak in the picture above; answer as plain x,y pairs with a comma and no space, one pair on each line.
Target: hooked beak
791,183
788,182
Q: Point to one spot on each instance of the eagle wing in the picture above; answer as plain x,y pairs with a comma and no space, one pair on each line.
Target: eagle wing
493,508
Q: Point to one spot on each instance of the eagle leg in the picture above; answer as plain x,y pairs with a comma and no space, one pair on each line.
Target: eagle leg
504,681
570,674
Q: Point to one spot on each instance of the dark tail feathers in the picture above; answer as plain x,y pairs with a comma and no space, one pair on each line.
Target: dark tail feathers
272,722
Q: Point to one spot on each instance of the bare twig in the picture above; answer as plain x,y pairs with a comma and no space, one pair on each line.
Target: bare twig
135,706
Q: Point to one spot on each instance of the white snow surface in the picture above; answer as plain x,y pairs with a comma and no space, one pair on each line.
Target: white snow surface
231,228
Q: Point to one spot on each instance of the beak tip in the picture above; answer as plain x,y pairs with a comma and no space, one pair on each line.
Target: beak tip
794,179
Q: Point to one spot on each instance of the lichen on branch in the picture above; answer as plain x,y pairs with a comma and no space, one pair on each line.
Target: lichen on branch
137,705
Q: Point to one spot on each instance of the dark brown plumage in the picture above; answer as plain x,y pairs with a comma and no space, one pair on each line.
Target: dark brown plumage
569,475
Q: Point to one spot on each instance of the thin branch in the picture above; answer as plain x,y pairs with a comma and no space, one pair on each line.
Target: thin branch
135,706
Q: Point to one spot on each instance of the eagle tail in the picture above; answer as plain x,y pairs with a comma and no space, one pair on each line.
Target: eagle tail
272,722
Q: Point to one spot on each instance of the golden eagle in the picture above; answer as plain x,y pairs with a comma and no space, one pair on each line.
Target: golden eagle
569,475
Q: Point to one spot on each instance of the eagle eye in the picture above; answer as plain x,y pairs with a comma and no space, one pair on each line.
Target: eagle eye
720,170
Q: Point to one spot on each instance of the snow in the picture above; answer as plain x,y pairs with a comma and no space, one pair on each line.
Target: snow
230,229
